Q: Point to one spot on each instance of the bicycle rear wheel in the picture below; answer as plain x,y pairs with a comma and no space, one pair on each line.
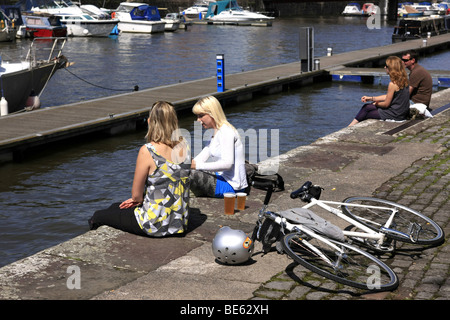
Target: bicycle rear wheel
348,265
408,225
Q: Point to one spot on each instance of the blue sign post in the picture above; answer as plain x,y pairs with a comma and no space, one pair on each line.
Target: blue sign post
220,72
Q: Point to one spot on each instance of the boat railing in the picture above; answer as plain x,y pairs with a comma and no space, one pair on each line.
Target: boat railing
45,50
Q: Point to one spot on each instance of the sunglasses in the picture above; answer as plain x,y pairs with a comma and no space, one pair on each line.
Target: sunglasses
406,60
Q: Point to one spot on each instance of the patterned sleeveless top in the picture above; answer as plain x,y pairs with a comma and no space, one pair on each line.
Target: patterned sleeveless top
165,208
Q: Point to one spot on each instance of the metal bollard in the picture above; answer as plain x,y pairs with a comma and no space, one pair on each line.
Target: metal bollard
329,52
220,72
306,49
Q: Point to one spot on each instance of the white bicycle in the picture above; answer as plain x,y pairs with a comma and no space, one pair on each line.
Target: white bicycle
325,249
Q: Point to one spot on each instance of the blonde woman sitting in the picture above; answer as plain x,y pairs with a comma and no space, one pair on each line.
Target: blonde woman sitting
219,167
159,203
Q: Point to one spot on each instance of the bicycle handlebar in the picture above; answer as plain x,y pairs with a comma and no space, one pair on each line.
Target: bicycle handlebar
300,191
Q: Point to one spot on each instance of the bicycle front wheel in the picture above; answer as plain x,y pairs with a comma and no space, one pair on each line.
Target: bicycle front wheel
408,225
340,262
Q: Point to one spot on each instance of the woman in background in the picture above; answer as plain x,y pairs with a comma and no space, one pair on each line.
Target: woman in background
394,105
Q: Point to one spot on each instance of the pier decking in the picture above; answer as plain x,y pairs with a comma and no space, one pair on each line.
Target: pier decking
24,131
440,77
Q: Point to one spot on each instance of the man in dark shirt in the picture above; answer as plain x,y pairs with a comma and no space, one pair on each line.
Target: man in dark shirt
420,82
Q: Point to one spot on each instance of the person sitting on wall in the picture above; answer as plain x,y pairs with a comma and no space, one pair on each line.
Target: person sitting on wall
220,166
420,81
159,203
394,105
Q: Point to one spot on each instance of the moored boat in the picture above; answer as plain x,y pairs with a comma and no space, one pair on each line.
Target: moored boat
84,25
138,17
352,9
172,22
228,11
23,81
183,22
197,11
40,25
78,22
421,27
8,30
428,8
14,18
408,11
369,9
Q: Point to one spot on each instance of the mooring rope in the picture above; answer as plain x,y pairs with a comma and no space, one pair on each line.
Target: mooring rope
135,88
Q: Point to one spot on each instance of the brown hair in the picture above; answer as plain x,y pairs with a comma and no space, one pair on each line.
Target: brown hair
397,71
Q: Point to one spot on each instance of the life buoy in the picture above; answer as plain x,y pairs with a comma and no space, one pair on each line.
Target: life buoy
113,15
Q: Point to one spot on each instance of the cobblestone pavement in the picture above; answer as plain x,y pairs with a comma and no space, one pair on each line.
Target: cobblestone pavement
423,274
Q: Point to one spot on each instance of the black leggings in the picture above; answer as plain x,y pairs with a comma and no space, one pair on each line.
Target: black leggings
368,111
122,219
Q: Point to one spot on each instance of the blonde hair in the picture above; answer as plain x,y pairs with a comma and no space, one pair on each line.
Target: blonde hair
397,72
211,106
163,124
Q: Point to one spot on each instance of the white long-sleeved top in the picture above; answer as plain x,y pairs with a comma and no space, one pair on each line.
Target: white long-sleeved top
226,155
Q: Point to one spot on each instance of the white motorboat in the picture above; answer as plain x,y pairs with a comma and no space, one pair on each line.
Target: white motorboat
196,11
178,16
78,22
84,25
94,11
139,18
172,22
22,81
352,9
228,11
429,9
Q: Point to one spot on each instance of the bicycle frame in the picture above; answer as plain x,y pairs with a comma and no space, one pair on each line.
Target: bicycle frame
298,227
367,232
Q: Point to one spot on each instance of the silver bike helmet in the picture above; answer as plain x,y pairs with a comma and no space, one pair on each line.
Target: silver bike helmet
232,246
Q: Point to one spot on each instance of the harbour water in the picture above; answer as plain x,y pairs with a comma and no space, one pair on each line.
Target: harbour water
48,199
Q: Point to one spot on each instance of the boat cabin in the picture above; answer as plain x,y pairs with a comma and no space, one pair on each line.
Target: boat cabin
43,25
217,7
145,12
140,11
